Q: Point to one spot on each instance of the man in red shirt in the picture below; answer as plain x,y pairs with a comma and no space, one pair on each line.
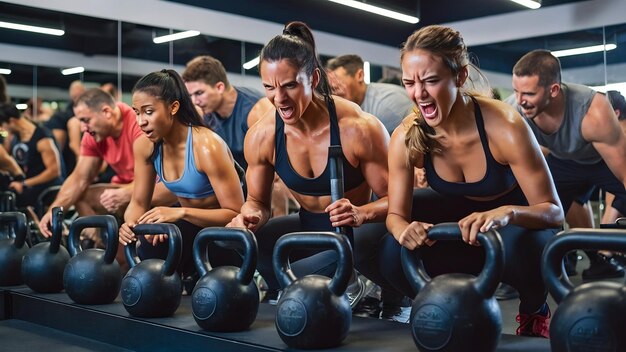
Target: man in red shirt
109,131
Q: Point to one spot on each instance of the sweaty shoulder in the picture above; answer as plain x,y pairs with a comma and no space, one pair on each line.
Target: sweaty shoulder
260,136
505,127
143,147
351,116
205,137
498,113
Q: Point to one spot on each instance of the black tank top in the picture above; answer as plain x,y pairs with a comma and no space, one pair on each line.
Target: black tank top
26,153
318,186
497,180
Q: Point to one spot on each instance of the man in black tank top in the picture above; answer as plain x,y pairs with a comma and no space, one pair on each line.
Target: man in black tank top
35,151
579,130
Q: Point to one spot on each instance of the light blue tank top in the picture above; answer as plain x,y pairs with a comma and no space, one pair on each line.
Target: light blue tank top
192,184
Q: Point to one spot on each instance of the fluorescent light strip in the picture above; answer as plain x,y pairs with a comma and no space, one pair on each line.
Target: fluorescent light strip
5,71
21,106
36,29
175,36
529,3
73,70
366,72
583,50
377,10
250,64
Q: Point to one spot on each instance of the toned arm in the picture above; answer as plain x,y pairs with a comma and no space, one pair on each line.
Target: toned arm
51,160
601,127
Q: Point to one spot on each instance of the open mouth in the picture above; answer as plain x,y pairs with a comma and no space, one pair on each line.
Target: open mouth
429,110
286,112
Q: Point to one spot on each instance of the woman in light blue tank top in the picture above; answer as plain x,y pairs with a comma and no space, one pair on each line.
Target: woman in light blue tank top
190,160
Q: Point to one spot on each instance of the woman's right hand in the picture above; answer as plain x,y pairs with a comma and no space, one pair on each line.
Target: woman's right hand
126,233
415,235
246,221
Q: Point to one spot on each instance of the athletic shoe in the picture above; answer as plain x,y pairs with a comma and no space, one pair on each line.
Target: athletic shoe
399,311
535,325
505,292
355,290
602,268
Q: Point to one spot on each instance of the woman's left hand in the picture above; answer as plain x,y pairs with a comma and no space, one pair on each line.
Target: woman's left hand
344,213
474,223
161,214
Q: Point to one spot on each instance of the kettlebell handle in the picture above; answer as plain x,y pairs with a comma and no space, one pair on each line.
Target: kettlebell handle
106,222
239,235
314,240
174,251
486,282
20,226
558,283
57,229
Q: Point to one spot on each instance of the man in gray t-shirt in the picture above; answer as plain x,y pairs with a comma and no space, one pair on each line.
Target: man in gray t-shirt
388,102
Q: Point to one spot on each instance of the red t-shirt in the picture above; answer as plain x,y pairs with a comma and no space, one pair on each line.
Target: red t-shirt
117,152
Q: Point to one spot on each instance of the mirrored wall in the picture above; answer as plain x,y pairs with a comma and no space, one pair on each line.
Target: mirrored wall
119,52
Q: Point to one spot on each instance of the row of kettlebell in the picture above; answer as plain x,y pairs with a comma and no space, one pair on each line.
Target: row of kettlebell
313,311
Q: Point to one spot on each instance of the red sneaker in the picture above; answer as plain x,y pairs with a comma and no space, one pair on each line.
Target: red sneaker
536,325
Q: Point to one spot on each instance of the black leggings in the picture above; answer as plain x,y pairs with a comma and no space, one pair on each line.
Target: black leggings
573,179
365,240
522,247
218,256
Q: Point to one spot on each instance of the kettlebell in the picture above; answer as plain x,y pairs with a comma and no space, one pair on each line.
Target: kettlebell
93,276
452,309
152,287
12,250
43,265
590,317
225,298
313,311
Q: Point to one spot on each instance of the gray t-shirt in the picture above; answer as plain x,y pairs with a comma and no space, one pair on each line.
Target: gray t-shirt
567,142
388,102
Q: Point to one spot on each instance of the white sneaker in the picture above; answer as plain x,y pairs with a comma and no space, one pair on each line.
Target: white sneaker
355,291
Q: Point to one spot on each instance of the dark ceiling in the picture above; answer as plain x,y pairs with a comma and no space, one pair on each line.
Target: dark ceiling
92,36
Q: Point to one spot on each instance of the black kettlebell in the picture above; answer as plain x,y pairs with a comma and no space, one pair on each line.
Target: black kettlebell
452,309
43,265
313,311
590,317
225,298
152,287
93,276
12,250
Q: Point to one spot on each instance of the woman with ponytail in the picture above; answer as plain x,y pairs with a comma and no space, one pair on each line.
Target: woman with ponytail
190,160
485,170
292,140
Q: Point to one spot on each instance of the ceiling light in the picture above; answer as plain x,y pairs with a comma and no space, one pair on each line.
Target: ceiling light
377,10
5,71
250,64
28,28
73,70
532,4
583,50
175,36
21,106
